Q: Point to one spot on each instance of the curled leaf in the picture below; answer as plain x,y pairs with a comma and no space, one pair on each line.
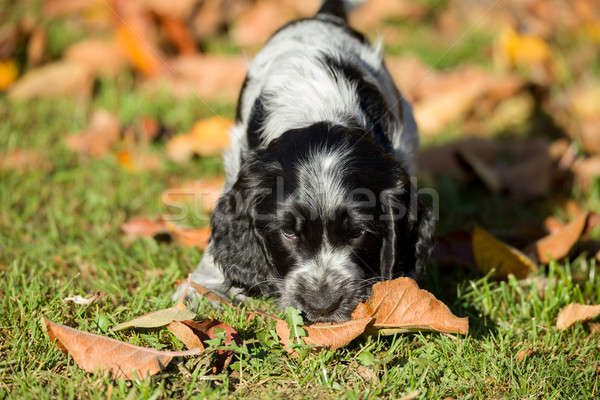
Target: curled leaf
332,336
491,253
576,313
558,244
186,335
400,306
98,353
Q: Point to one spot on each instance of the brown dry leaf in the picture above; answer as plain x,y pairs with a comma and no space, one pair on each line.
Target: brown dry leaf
102,132
98,353
98,56
186,335
557,245
56,79
207,191
208,137
576,313
158,318
24,160
491,253
209,18
254,26
332,336
207,330
400,305
210,77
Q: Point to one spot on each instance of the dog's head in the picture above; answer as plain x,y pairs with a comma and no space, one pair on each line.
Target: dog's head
317,217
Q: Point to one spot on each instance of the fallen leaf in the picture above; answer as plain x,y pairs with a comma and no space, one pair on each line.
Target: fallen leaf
204,191
24,160
523,353
523,49
158,318
332,336
209,18
98,353
558,245
186,335
143,227
400,305
99,56
490,253
208,137
367,374
553,225
209,328
52,80
8,73
179,34
136,36
576,313
102,132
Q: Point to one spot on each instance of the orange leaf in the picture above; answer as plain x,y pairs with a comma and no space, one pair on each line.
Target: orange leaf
179,34
8,73
208,137
399,305
558,244
186,335
491,253
576,313
332,336
141,53
98,353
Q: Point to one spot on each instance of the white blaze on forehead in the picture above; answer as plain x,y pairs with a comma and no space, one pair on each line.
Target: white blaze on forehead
321,179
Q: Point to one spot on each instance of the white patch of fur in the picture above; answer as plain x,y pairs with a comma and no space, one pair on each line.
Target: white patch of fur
320,178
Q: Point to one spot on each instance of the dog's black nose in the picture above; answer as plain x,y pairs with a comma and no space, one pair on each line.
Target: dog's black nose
321,304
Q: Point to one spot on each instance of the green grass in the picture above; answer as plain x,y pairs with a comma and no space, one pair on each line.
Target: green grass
59,236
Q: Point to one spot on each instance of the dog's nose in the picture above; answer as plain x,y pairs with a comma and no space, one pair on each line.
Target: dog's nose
322,304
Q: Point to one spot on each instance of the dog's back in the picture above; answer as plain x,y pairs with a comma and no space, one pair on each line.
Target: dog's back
320,69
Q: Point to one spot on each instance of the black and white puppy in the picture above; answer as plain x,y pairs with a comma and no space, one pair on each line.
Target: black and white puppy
318,203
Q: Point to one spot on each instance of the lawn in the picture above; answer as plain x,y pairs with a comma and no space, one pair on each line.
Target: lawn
60,236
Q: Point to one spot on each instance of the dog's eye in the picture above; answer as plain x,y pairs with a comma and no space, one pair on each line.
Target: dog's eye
357,233
289,234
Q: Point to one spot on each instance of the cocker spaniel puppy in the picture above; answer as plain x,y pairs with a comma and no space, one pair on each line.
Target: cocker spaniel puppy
318,202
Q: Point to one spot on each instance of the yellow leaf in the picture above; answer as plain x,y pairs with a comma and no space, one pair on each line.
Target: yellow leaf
523,49
491,253
8,73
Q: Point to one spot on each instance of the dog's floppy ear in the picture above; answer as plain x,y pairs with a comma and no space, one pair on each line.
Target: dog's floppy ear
238,246
410,225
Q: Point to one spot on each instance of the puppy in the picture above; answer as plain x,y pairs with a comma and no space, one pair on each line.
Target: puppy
318,202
